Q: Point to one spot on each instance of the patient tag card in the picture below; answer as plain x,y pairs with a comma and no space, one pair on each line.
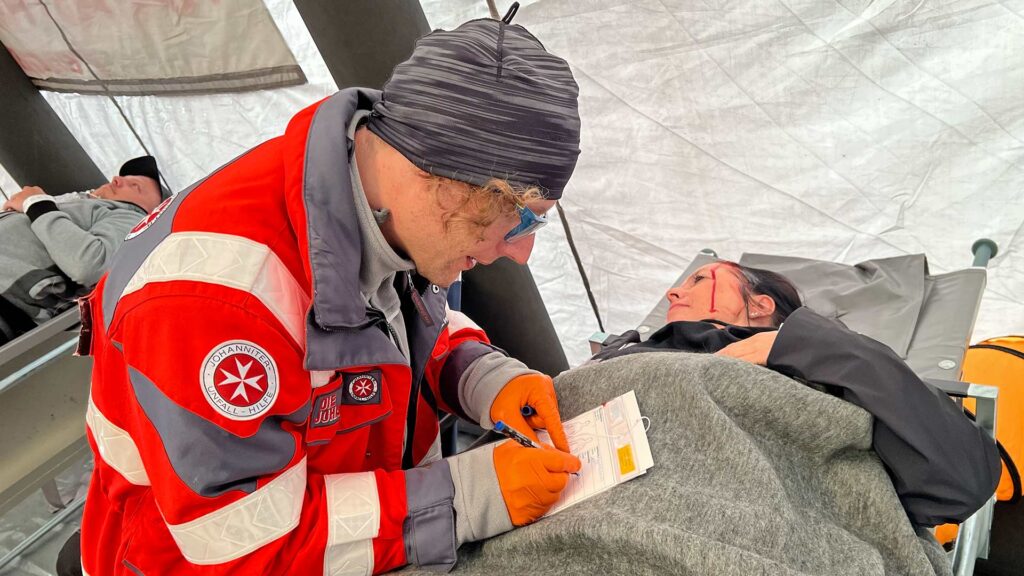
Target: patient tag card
611,443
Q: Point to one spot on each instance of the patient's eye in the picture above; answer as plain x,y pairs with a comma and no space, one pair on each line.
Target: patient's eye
698,277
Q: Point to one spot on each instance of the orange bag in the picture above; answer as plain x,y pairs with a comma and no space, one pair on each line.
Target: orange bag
999,362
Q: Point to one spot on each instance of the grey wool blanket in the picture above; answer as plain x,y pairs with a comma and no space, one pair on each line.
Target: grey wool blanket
754,473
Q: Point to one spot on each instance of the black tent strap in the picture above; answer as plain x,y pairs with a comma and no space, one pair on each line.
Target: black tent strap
579,265
102,83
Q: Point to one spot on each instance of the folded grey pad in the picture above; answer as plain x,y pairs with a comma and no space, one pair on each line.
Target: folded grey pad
754,473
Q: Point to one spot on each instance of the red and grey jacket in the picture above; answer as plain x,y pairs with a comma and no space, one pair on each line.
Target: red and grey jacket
249,413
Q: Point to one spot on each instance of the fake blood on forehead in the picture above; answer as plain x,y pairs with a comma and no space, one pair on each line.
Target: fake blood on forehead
714,287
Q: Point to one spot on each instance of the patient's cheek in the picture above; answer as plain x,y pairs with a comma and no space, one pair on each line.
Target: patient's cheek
681,315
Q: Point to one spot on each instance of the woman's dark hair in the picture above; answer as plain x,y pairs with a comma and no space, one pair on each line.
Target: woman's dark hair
771,284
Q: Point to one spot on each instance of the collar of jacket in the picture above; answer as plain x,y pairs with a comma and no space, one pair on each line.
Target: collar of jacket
337,324
126,204
706,337
333,243
701,336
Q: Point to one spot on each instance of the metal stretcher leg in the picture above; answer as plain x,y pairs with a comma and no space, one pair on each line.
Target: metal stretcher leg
974,536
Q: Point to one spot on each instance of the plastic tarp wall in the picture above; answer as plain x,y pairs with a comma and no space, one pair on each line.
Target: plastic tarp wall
145,47
839,131
193,135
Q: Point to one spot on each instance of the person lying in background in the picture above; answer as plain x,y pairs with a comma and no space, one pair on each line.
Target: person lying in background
53,248
943,467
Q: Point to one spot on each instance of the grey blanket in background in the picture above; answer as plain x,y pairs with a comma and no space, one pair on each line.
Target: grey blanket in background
753,473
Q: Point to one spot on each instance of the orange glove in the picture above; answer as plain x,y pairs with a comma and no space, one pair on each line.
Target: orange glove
531,479
538,392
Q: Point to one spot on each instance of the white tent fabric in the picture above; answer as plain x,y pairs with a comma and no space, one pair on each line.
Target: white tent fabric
834,130
193,135
840,131
7,184
145,47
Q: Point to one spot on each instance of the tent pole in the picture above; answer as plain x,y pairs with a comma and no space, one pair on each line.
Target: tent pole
36,147
362,40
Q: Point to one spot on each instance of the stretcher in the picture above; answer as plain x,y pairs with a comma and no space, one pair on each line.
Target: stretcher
926,318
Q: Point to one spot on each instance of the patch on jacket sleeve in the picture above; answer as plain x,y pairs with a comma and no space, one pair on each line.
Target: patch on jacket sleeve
239,380
326,409
362,388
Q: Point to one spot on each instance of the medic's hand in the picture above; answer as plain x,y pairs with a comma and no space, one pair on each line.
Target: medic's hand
538,392
754,349
531,479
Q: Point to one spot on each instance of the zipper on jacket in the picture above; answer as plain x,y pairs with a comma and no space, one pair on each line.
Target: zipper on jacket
394,336
410,415
417,300
378,317
414,391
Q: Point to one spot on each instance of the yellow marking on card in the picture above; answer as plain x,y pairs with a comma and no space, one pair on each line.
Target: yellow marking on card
626,463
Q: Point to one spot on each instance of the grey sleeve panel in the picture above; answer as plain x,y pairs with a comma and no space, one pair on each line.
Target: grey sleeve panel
192,443
429,528
455,365
480,384
480,510
84,255
943,467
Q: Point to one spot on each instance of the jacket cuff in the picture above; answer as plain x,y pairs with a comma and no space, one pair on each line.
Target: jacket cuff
429,528
480,510
789,352
36,206
483,380
455,365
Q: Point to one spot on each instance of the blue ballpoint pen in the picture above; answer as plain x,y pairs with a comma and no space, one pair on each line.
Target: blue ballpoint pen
517,436
513,434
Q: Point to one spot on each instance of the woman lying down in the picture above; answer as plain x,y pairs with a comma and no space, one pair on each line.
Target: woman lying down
757,471
942,466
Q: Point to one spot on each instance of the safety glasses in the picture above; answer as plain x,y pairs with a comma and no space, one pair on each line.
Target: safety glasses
529,222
